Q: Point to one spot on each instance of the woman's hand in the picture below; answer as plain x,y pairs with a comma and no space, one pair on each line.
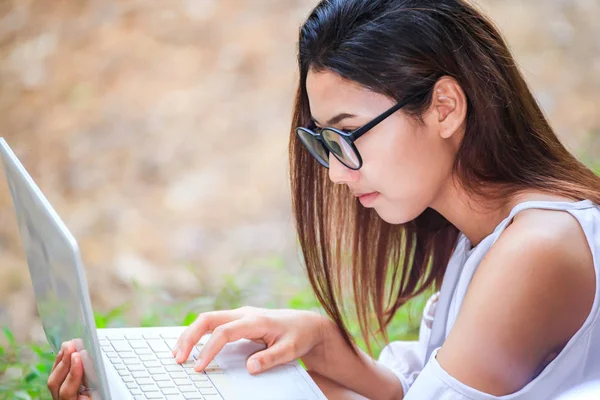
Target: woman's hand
67,374
288,334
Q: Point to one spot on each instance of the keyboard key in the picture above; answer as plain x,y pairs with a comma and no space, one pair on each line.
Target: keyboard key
132,385
128,379
151,336
135,391
164,354
159,345
147,357
175,397
203,384
121,346
173,368
161,377
140,374
181,381
165,384
155,395
124,373
127,354
133,336
138,344
121,367
144,381
140,397
188,388
136,367
178,375
212,397
113,337
152,364
144,351
156,370
169,361
149,388
131,361
193,396
206,391
198,377
170,335
171,390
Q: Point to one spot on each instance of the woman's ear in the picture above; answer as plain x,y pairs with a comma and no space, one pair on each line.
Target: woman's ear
449,104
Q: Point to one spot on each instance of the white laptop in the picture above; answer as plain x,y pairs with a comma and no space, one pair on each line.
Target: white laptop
127,363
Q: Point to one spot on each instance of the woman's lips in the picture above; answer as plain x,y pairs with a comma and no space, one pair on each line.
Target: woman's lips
368,198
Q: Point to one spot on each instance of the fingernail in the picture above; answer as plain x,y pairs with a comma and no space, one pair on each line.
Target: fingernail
254,366
178,354
60,353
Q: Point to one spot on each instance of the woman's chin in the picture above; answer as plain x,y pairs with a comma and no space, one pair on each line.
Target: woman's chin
396,215
392,218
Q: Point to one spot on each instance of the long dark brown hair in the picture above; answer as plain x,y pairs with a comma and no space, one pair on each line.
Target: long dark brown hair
400,48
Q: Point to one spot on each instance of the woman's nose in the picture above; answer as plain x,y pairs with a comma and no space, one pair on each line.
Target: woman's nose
339,173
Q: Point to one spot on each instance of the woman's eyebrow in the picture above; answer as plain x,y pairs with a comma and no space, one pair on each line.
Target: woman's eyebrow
335,120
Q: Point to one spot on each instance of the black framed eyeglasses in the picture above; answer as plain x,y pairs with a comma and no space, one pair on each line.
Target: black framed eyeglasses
322,141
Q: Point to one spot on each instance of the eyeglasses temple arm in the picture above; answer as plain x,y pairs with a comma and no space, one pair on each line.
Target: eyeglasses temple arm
365,128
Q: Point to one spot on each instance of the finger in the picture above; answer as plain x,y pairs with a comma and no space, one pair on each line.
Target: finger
57,377
245,328
78,344
280,353
206,322
70,388
58,359
60,355
90,374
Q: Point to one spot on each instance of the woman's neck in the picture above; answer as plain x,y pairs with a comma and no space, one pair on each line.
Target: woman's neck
477,217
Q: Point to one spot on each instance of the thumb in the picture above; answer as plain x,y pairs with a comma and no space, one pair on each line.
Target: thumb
280,353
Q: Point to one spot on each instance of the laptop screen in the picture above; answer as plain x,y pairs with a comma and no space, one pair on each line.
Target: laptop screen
56,271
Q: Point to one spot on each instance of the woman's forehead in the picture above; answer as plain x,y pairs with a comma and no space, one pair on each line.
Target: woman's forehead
329,94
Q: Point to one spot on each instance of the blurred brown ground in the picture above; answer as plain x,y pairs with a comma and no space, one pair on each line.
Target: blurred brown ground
158,130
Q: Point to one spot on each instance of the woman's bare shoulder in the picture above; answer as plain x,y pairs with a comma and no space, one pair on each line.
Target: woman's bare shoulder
530,294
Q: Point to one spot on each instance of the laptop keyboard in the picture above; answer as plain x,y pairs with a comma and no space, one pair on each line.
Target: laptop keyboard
148,368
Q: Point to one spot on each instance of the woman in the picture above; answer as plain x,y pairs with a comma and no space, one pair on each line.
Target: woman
419,159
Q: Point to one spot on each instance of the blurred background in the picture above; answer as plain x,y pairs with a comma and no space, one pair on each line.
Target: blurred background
158,130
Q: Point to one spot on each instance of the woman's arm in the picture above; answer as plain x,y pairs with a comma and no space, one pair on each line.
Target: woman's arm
337,368
333,390
529,296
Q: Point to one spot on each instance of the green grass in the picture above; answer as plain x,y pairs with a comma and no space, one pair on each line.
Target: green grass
24,369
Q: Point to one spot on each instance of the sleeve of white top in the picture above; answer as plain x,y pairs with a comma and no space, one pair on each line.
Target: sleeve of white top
402,358
406,358
435,383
